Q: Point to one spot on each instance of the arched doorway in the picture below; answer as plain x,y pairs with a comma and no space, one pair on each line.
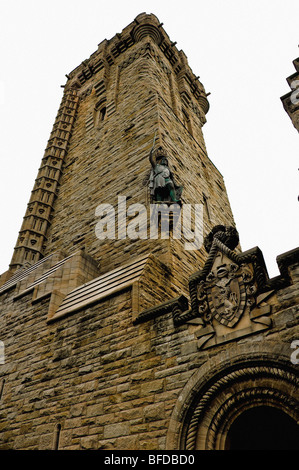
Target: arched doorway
263,428
229,406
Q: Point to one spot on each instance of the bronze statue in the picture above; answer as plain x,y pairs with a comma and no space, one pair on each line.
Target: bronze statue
162,185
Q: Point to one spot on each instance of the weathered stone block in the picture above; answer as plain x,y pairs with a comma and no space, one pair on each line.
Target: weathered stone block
116,430
154,412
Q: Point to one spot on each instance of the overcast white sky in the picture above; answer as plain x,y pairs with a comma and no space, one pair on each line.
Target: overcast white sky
242,51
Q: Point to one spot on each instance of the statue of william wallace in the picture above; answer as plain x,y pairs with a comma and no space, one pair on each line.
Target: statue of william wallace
162,184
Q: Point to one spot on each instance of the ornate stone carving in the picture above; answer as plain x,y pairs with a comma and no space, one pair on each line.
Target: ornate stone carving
226,292
228,295
143,30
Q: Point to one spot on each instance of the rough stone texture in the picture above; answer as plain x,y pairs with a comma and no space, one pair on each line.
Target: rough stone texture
119,372
108,383
290,101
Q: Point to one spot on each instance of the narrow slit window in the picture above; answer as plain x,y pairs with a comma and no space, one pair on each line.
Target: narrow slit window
206,206
2,388
102,113
56,436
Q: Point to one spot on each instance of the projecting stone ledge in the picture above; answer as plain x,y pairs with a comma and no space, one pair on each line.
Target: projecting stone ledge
52,277
73,283
140,275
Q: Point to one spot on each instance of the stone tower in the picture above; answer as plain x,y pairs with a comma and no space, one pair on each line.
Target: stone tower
135,88
116,337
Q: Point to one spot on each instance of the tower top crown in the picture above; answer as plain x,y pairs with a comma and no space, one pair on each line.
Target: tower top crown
145,28
147,25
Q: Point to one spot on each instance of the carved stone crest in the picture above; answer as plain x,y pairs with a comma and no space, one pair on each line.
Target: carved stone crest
231,296
227,290
226,296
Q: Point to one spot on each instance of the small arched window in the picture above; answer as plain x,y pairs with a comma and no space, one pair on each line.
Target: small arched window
100,112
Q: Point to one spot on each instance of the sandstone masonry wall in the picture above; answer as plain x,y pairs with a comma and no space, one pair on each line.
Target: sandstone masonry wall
107,383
